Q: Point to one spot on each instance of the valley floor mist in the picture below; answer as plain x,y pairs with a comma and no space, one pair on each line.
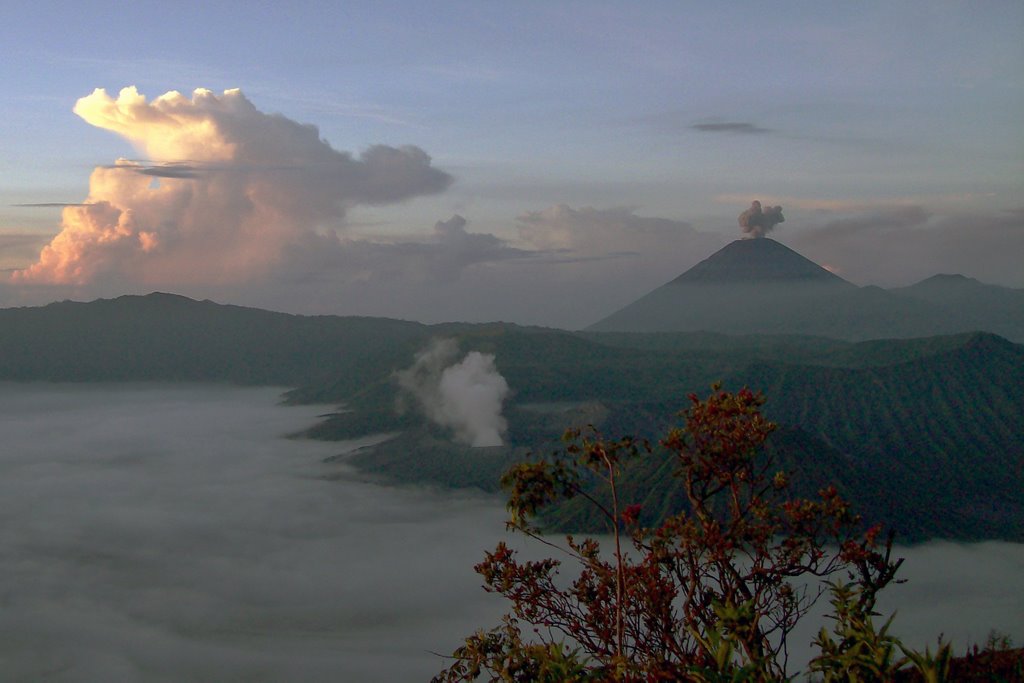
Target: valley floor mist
156,532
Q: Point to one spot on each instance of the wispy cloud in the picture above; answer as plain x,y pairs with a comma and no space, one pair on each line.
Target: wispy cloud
325,104
741,127
10,240
50,205
840,205
679,121
464,72
589,232
173,170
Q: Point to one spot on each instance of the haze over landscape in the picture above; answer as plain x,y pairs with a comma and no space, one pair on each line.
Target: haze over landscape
285,291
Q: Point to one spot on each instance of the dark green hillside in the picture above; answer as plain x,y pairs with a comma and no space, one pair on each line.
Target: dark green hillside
731,350
540,366
932,445
925,434
169,337
421,456
946,429
761,346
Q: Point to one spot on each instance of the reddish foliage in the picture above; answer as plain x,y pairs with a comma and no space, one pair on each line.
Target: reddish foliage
714,578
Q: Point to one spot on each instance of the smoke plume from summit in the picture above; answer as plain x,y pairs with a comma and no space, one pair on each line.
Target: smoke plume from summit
758,222
226,189
465,396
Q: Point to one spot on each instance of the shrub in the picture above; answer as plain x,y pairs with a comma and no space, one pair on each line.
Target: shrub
709,594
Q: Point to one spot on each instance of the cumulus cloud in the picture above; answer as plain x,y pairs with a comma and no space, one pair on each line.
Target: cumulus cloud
226,189
464,395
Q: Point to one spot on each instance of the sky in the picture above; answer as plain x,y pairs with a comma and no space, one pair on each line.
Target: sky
535,162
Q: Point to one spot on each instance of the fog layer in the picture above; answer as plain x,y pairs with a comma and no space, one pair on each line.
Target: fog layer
170,533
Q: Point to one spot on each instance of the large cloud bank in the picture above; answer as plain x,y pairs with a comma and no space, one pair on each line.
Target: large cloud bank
225,190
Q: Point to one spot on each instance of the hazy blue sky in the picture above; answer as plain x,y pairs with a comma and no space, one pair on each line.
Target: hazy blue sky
592,150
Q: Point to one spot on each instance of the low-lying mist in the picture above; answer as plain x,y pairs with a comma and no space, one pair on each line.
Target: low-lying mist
171,533
168,533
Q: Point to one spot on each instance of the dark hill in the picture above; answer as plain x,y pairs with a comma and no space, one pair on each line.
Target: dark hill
170,337
971,305
925,438
922,427
923,434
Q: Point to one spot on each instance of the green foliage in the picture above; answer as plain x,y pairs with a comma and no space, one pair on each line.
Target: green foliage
860,652
931,668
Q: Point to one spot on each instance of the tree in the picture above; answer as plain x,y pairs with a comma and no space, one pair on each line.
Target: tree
709,594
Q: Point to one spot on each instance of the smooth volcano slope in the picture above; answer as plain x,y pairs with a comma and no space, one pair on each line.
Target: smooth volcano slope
759,286
758,261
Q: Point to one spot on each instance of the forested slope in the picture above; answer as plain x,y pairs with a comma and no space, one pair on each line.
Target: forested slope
922,433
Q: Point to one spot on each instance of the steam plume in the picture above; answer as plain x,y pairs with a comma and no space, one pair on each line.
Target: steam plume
226,189
464,396
756,222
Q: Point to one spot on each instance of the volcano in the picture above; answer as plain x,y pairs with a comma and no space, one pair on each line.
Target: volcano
759,286
762,261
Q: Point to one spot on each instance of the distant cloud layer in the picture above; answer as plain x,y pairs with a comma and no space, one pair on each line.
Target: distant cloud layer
588,232
901,245
729,127
225,191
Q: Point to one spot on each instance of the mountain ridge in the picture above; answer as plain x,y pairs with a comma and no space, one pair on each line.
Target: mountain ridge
934,421
759,286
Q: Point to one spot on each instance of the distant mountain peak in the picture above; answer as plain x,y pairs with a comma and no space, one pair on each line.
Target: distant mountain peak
760,259
947,279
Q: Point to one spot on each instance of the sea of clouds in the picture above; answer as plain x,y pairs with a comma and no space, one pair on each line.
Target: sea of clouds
171,532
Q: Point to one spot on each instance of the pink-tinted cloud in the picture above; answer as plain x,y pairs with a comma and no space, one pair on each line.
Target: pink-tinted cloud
226,190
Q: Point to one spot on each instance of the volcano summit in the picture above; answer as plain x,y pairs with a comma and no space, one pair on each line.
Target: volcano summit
759,286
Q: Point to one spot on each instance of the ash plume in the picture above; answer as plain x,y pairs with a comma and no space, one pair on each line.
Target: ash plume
757,222
465,395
